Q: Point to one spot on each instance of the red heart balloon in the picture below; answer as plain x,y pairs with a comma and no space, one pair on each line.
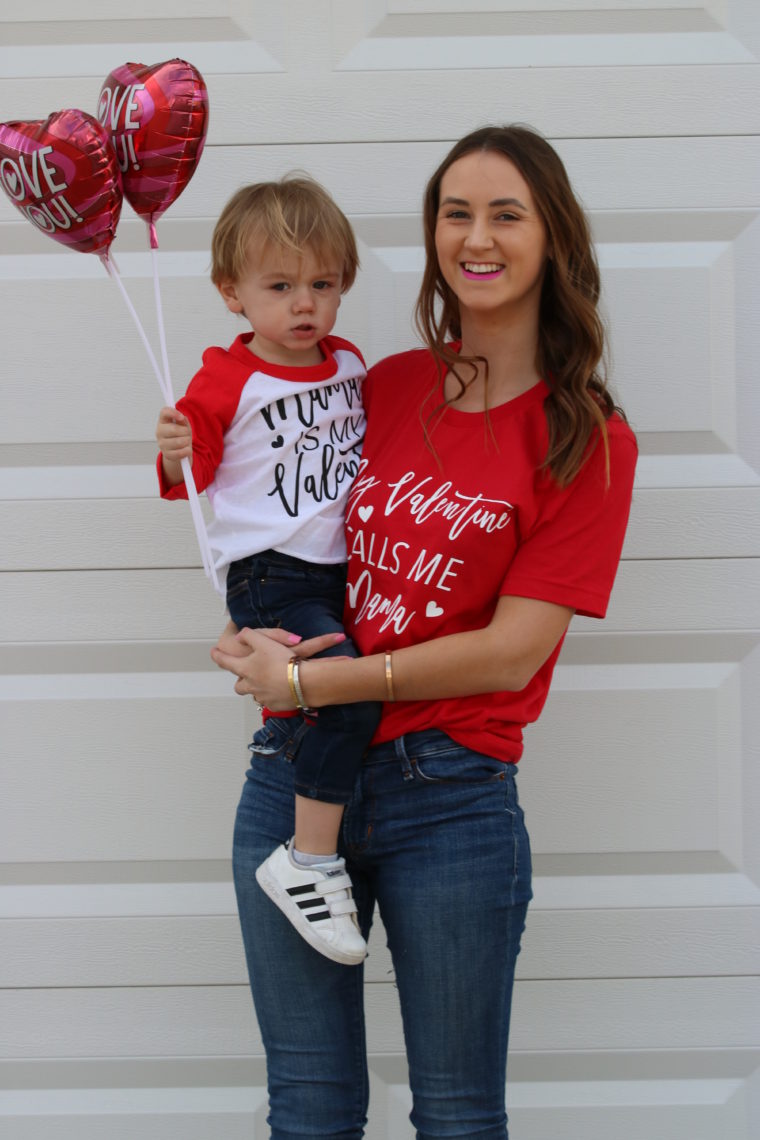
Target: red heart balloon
62,174
157,118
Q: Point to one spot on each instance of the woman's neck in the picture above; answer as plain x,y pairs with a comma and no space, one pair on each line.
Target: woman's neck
511,354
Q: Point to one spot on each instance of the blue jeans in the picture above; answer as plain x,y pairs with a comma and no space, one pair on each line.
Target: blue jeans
274,589
434,834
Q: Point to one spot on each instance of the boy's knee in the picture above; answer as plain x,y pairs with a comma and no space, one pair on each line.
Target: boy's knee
366,717
358,720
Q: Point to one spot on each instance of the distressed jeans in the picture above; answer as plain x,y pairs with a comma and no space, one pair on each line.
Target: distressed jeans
433,835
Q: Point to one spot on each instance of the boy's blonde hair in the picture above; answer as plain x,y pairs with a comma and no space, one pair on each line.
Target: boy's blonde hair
295,214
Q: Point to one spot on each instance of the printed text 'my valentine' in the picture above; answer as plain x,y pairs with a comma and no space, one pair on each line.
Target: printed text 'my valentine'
461,510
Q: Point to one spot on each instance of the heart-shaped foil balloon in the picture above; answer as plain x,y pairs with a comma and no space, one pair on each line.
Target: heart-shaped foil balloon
157,119
62,175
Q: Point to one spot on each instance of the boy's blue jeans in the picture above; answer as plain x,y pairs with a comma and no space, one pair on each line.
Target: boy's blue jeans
274,589
434,834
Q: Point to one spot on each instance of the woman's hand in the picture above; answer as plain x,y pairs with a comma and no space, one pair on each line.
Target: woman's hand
228,641
259,659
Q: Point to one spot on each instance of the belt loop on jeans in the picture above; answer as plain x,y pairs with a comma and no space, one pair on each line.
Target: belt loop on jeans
404,761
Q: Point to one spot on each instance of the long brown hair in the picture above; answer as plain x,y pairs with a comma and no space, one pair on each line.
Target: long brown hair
571,335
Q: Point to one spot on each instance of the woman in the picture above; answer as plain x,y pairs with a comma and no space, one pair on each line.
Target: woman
491,505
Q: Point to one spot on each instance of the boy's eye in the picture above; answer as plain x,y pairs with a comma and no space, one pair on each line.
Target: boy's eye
280,286
322,284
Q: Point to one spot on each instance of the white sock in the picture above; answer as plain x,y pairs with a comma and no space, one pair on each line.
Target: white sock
304,859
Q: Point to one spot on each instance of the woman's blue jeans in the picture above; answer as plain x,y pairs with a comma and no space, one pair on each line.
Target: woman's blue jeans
435,836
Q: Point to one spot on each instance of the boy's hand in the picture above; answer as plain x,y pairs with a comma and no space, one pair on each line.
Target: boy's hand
174,436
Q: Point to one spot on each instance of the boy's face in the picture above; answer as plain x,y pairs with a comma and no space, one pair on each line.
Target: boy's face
290,300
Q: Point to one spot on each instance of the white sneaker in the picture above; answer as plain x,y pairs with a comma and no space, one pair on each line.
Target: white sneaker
318,902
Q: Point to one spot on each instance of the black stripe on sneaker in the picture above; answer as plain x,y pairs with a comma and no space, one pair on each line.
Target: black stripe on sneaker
317,916
308,887
304,904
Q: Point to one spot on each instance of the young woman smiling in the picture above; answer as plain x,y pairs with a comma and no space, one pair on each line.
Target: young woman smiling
490,506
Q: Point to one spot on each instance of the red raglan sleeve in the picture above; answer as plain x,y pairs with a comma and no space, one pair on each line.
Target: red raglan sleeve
570,554
210,404
337,342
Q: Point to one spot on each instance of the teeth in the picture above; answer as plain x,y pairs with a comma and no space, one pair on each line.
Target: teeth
481,267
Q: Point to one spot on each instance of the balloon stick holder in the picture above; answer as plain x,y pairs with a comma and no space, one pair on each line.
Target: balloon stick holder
165,384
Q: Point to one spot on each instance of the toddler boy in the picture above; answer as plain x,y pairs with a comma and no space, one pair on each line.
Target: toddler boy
273,427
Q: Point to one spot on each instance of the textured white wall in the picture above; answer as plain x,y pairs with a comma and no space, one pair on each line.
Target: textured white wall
124,1010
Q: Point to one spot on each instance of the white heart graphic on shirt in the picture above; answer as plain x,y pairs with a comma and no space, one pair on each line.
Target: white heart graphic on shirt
365,513
432,610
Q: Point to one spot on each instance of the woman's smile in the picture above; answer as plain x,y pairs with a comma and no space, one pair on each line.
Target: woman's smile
481,271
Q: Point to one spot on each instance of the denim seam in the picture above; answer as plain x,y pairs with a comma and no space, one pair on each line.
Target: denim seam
360,1050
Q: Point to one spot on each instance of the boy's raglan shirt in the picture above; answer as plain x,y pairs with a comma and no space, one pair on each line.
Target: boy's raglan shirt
435,539
276,449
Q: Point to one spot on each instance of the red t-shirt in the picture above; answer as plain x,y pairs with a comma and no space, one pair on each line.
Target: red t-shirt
434,542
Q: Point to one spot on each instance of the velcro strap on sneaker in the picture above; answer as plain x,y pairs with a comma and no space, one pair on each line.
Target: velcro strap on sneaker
341,906
334,883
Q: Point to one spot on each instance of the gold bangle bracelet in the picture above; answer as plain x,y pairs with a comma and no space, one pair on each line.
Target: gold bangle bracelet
292,681
389,694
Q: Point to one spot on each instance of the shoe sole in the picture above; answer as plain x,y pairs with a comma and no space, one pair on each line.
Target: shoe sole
294,915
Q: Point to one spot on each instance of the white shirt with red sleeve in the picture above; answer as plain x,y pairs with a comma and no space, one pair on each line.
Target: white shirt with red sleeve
276,449
435,539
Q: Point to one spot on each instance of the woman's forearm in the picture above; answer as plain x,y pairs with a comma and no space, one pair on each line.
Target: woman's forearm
502,657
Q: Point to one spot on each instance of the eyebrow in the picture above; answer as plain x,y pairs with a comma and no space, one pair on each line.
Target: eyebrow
494,202
316,276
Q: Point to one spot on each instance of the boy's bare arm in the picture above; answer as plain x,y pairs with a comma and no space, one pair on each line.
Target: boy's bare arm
175,442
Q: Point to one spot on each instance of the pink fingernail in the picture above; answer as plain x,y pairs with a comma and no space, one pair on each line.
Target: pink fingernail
339,637
293,639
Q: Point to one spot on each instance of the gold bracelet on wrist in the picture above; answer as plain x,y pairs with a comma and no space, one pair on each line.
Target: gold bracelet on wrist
389,694
292,681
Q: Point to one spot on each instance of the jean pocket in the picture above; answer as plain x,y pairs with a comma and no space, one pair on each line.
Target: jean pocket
241,605
238,590
458,765
287,572
275,735
271,739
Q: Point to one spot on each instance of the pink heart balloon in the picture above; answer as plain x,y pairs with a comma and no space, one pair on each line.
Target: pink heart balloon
61,173
157,118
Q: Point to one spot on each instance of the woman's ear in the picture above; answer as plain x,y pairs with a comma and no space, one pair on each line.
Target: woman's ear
228,290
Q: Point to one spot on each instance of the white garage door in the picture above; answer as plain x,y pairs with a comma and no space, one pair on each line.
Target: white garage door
123,1009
